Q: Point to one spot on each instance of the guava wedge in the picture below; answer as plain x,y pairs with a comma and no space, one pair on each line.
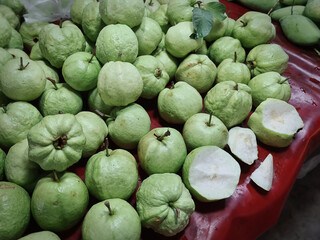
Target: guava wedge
210,173
243,144
275,122
263,175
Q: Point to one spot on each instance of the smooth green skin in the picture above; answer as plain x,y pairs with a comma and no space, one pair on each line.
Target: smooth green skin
161,156
59,205
220,29
169,62
16,119
17,53
198,132
49,72
225,47
19,169
261,5
128,12
5,32
5,56
286,11
2,161
300,30
116,42
14,210
177,104
154,76
89,45
198,71
80,71
230,70
56,44
254,28
92,23
123,224
94,129
127,125
47,235
180,11
267,58
77,9
15,5
64,99
178,42
35,53
231,102
312,11
293,2
15,40
149,35
203,49
159,198
22,85
30,32
160,15
111,176
119,83
264,135
41,139
10,15
95,102
269,85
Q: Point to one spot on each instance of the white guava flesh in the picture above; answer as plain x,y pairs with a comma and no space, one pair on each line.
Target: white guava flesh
263,175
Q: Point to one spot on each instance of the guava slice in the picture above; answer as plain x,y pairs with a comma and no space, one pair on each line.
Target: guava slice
263,175
210,173
243,144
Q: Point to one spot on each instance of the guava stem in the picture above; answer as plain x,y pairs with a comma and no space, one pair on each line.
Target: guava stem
160,138
55,176
292,7
176,210
199,3
235,56
236,87
60,142
158,73
244,23
106,143
102,115
150,3
271,9
53,82
107,204
93,54
21,64
284,80
317,51
172,85
60,22
209,124
60,112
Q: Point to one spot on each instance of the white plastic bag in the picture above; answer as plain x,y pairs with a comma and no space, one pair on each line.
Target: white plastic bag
46,10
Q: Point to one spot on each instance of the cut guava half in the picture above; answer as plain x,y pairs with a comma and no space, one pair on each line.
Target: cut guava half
243,144
275,122
210,173
263,175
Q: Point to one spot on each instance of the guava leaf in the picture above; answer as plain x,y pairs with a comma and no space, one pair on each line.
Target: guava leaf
217,9
202,23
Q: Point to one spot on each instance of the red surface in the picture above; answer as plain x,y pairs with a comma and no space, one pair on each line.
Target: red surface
250,211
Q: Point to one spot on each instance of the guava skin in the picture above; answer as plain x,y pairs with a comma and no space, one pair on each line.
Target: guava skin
30,32
41,235
91,21
230,70
159,199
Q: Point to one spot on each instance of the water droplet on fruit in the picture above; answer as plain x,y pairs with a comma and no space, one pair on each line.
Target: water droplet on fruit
303,90
314,103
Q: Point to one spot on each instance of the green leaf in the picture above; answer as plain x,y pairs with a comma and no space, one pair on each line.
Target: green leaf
217,9
202,22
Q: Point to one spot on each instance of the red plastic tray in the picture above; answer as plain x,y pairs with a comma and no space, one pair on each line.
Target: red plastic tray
250,211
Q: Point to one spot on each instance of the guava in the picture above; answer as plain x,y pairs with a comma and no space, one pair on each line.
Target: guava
153,74
312,11
116,42
41,235
35,53
231,102
49,72
17,53
169,62
16,119
269,85
15,40
119,83
160,16
162,150
56,142
178,103
275,122
128,12
285,11
5,31
59,196
254,28
5,56
111,174
263,175
10,15
77,8
19,169
57,43
92,23
267,58
95,102
15,5
220,29
198,71
30,32
226,47
180,11
164,204
14,210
